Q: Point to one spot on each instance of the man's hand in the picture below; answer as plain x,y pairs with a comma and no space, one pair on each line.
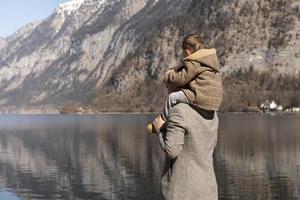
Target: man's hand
157,123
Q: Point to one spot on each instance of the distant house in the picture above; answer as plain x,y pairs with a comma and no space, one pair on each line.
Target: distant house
280,108
270,106
273,106
294,109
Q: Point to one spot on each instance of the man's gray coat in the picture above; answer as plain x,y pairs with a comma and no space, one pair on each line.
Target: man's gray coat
188,140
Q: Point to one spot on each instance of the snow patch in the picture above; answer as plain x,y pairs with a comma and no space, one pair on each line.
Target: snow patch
69,7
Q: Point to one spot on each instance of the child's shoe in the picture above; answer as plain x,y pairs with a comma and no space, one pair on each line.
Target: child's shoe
151,129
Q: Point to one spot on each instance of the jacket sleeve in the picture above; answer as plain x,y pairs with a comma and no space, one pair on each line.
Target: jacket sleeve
182,76
171,137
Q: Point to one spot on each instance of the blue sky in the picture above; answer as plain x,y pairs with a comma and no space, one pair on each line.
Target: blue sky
16,13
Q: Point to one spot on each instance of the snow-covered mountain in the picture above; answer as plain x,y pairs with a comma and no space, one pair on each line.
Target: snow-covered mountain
67,55
109,52
2,42
69,7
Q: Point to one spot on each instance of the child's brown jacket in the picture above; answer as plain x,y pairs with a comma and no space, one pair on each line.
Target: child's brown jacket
199,78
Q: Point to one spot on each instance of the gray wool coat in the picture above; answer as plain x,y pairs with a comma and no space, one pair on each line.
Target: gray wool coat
188,139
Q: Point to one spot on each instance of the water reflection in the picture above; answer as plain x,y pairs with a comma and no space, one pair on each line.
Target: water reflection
110,157
80,158
258,157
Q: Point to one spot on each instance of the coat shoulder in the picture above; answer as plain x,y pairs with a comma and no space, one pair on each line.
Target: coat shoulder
181,108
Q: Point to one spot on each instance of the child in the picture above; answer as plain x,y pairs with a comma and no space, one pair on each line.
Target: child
197,81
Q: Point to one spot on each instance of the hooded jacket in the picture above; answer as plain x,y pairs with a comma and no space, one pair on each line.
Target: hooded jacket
199,78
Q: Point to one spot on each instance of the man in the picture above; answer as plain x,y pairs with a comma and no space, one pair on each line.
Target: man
188,139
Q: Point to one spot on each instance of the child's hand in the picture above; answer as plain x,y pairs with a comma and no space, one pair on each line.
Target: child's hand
169,71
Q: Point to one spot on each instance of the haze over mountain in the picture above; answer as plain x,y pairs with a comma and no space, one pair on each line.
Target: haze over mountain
112,54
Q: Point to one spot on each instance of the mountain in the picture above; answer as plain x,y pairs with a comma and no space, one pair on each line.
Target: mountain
63,56
2,42
112,54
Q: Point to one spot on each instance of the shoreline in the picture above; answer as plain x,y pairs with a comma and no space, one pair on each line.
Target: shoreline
131,113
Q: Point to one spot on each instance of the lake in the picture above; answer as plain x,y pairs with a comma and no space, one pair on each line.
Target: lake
112,157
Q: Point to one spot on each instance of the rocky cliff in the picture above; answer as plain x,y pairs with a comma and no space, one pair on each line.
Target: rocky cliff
2,42
112,54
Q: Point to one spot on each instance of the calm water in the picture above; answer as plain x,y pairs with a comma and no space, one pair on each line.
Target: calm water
111,157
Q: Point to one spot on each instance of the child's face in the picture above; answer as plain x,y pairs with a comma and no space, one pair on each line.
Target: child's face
186,52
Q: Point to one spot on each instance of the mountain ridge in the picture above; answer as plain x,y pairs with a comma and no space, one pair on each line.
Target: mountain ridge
112,54
2,42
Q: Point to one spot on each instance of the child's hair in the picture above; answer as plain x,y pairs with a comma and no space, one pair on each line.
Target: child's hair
193,42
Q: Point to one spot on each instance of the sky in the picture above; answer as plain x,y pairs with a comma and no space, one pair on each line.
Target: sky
16,13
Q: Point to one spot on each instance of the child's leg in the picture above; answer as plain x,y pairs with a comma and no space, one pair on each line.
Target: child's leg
173,99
